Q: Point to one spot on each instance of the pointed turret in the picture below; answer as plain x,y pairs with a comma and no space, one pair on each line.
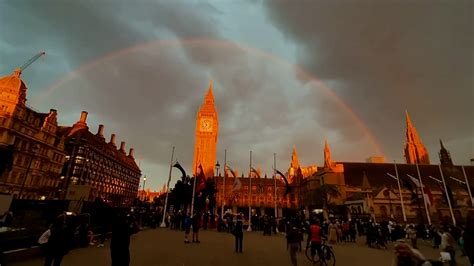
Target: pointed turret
444,155
295,164
209,99
365,182
327,156
415,151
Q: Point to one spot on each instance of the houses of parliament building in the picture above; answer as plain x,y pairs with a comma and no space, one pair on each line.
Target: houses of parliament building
374,188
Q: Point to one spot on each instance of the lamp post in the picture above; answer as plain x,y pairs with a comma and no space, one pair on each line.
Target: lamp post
214,205
144,182
35,150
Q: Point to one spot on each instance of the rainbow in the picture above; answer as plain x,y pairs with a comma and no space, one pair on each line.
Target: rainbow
313,81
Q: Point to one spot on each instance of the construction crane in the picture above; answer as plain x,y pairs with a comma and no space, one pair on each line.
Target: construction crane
29,62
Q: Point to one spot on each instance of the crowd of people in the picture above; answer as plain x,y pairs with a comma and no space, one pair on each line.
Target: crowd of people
69,231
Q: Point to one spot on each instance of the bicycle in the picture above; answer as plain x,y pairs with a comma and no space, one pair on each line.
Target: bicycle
325,257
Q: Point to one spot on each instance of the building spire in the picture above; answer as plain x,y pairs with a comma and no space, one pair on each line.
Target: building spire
444,155
295,164
415,151
327,155
209,99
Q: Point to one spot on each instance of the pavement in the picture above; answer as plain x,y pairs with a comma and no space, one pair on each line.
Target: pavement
166,247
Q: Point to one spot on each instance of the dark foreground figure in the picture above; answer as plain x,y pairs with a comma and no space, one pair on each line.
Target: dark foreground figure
123,227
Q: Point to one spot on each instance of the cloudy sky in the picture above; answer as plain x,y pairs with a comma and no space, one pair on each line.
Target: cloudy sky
286,74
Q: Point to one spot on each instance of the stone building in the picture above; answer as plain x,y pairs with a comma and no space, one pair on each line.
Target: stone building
96,168
38,149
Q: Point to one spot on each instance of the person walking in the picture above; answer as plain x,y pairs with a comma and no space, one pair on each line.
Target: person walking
196,226
332,229
447,245
238,233
123,227
293,242
59,241
187,228
411,234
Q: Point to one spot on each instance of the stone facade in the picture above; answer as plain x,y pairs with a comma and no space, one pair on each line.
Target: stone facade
38,150
207,131
100,167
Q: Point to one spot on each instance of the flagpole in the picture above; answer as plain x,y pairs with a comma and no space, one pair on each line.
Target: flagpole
249,229
194,194
275,185
447,195
163,224
423,195
223,187
400,192
468,187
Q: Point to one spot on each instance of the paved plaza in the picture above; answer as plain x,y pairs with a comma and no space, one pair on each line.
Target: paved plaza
165,247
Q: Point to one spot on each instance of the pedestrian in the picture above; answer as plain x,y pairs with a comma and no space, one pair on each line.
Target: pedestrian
314,241
447,245
238,232
293,242
187,227
468,238
406,256
59,242
332,229
196,226
411,234
123,227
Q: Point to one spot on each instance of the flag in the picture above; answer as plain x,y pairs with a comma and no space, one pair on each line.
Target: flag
451,197
237,185
201,180
288,189
177,165
428,195
255,171
231,171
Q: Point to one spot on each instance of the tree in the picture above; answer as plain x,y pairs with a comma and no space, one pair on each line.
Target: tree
327,193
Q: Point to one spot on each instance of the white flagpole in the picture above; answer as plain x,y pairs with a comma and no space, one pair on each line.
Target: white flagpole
194,194
163,224
423,195
400,192
447,195
249,229
468,187
223,187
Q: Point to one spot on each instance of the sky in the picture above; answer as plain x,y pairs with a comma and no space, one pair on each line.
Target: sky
286,74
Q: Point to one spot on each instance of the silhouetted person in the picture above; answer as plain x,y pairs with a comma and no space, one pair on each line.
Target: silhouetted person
238,232
293,242
59,242
122,228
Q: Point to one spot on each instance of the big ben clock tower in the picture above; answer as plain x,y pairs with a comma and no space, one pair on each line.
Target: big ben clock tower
207,129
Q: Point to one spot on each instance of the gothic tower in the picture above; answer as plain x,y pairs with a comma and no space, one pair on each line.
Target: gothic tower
207,129
327,156
415,151
444,156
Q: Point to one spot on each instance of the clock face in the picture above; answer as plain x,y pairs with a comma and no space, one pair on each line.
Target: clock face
206,125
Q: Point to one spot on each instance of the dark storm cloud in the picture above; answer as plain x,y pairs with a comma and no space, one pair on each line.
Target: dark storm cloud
387,56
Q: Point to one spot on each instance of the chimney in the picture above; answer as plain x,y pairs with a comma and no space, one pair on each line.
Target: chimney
100,132
112,139
122,146
83,117
131,153
53,111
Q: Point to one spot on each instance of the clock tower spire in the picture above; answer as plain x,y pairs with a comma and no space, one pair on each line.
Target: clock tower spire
207,130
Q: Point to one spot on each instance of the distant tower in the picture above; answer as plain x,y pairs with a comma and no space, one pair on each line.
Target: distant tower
327,156
294,166
444,155
415,151
207,129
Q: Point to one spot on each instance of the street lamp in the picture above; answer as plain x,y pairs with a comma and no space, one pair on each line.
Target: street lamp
144,181
35,150
218,166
